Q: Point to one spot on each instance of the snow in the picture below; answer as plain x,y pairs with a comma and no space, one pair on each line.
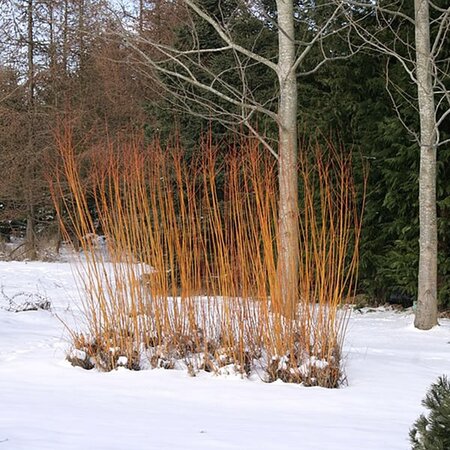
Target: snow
48,404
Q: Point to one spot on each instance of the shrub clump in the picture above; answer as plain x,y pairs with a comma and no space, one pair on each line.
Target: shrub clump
191,275
104,354
196,352
432,432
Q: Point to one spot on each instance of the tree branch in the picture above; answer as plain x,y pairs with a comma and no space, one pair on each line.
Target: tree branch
227,39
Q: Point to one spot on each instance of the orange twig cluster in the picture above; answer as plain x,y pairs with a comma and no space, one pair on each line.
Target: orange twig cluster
189,277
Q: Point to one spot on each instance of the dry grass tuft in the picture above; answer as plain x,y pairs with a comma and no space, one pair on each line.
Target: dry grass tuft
189,276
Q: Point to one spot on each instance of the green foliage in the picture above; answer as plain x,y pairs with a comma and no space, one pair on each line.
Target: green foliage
192,110
346,101
432,432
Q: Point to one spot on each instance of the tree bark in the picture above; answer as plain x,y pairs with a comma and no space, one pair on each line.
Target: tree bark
30,55
30,240
141,16
65,44
426,311
30,236
287,163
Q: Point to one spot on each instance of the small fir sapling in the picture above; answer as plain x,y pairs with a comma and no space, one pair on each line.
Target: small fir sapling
432,432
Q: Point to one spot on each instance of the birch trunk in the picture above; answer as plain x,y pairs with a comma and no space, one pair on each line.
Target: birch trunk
288,185
426,312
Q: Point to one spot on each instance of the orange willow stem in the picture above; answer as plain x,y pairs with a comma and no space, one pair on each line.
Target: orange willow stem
191,273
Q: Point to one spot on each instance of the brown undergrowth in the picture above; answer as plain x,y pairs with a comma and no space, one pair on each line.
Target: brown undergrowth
189,275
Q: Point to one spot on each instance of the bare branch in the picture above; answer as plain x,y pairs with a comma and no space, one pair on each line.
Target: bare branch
378,45
446,141
318,36
227,39
375,7
444,24
389,83
193,80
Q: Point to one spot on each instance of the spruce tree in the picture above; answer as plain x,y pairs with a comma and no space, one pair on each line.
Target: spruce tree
432,432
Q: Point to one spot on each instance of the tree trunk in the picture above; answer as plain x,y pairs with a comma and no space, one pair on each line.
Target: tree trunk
288,185
30,242
30,236
65,45
141,16
81,35
426,312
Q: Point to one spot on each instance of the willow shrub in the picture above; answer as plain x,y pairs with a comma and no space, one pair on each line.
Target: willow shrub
189,279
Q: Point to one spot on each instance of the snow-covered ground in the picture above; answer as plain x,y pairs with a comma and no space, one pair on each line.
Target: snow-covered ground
45,403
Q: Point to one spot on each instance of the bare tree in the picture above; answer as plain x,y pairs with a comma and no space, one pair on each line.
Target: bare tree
301,30
31,251
426,315
427,66
42,44
27,46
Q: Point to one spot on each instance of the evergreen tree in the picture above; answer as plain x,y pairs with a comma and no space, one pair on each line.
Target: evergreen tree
432,432
345,101
348,102
192,111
